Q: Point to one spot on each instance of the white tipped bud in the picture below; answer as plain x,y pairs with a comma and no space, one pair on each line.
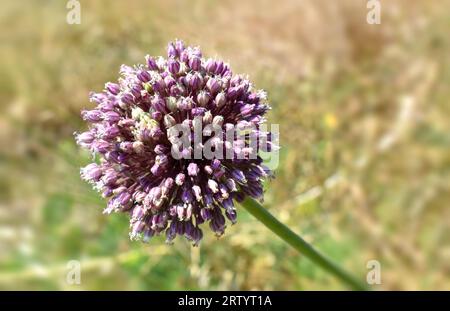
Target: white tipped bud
179,179
172,103
137,113
217,121
207,118
197,192
202,98
169,121
212,184
220,100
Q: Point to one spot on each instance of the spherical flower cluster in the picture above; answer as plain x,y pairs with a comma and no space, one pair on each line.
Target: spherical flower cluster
130,135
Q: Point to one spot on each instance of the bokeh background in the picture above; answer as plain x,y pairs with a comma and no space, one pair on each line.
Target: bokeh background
364,120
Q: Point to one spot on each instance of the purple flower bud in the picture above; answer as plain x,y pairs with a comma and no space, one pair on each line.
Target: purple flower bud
185,104
91,172
188,212
215,164
170,81
232,93
224,191
210,65
127,99
171,232
184,56
213,86
92,115
219,173
180,228
111,116
173,66
159,104
148,234
159,85
160,149
231,215
113,88
100,146
219,67
144,76
254,191
198,111
179,46
171,50
195,63
194,81
151,63
196,236
126,123
186,195
238,175
156,115
217,224
205,214
247,109
110,132
85,138
156,169
124,198
107,193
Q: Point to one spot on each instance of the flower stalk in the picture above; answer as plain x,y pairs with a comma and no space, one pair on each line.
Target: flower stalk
287,235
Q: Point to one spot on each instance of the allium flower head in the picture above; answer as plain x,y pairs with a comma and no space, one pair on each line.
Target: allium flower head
131,131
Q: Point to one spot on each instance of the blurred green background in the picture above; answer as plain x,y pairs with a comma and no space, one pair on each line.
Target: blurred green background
364,120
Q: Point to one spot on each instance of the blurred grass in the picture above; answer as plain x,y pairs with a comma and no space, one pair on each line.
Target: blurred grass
365,134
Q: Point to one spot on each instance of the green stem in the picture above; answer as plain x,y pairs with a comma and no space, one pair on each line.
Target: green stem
299,244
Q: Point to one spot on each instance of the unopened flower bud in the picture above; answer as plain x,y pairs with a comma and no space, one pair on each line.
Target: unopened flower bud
220,100
203,98
179,179
210,65
173,66
144,76
213,86
171,50
169,121
195,63
192,169
172,103
113,88
212,184
151,63
217,121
